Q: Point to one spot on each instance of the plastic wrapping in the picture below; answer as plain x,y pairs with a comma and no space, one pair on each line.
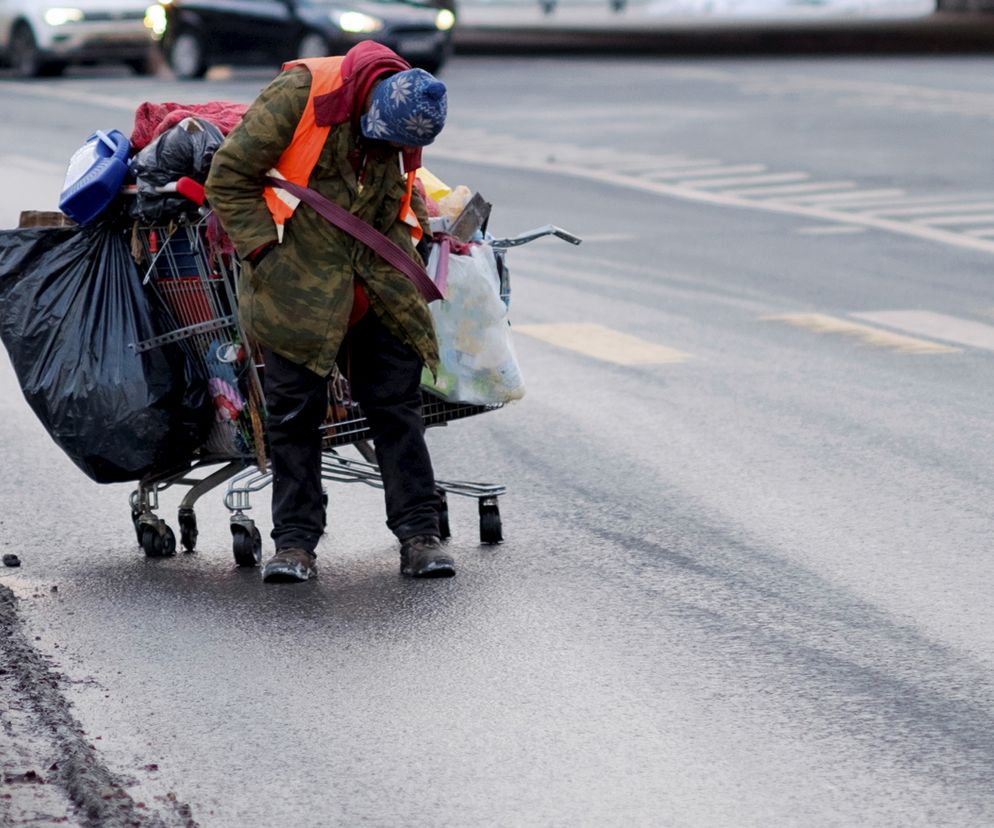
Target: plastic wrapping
452,203
185,150
478,364
71,309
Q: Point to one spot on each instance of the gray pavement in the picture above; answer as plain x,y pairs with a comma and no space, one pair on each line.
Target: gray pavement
750,588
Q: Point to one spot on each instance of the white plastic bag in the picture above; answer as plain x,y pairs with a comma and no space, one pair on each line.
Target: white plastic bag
477,360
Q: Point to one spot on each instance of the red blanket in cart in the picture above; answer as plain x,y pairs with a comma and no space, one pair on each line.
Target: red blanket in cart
152,119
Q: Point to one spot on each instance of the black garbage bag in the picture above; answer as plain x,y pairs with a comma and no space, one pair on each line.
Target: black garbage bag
72,307
184,150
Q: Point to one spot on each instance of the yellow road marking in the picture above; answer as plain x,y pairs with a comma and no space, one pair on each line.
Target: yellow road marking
604,344
822,323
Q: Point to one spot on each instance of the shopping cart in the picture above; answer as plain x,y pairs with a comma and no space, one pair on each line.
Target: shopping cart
191,273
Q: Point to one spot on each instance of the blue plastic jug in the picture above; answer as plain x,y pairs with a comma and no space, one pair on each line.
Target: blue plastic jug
96,173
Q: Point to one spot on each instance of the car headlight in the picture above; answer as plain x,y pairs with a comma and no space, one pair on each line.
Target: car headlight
155,19
445,20
357,22
61,16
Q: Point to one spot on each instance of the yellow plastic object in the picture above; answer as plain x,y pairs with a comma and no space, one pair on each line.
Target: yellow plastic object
434,186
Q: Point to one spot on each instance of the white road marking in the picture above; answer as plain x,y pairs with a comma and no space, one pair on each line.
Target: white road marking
882,206
963,218
709,171
934,209
604,344
605,157
982,232
936,325
651,168
747,179
453,144
838,199
792,190
822,323
830,230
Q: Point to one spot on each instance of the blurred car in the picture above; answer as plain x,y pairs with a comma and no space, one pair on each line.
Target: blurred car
198,33
42,38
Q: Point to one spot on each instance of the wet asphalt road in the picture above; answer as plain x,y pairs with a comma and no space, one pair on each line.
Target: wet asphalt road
747,588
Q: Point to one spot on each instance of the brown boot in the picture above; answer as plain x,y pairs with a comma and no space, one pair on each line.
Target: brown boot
290,566
424,557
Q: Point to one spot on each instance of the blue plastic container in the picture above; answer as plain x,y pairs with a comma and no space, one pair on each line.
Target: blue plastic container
96,173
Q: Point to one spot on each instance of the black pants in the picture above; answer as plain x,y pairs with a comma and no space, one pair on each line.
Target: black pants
385,376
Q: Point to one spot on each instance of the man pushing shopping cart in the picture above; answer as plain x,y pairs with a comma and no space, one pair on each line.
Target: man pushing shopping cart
327,226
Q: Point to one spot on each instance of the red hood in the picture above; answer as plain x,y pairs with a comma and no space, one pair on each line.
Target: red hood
364,64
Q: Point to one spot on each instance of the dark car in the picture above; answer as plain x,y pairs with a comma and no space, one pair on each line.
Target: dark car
199,33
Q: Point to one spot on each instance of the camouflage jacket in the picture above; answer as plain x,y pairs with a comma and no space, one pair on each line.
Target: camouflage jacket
297,300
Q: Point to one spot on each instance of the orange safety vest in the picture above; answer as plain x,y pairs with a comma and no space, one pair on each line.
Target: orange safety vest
301,155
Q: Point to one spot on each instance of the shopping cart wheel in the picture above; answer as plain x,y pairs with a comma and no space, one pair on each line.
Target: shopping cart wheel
246,543
135,514
444,531
188,529
490,529
158,541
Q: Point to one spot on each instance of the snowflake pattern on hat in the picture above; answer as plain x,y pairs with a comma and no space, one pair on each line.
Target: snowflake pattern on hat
420,126
400,89
408,108
373,125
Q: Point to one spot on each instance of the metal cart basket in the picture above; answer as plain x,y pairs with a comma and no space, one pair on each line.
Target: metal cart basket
191,272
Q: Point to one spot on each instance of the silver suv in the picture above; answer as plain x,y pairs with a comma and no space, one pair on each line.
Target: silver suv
42,37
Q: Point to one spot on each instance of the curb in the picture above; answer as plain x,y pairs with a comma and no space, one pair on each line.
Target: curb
942,32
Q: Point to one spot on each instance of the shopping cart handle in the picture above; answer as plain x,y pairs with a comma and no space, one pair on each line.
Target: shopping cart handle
531,235
186,187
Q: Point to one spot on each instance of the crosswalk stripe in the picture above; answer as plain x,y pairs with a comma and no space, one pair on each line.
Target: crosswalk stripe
937,325
963,218
882,206
839,199
932,209
983,232
830,230
744,180
792,190
654,167
708,171
604,343
823,323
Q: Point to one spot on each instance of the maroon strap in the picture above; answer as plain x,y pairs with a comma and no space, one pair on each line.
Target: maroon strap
368,235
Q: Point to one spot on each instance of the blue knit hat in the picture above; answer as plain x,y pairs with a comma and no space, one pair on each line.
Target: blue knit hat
407,108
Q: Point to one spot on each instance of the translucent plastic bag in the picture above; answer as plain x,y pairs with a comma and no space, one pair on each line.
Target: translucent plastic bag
478,364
